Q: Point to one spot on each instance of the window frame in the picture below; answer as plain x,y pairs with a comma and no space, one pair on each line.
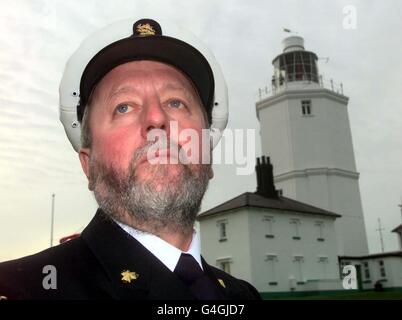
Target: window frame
366,270
222,226
268,223
306,106
381,265
320,225
298,261
221,262
272,260
296,229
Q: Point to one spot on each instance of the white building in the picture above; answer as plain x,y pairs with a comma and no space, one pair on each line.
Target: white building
276,243
383,268
305,130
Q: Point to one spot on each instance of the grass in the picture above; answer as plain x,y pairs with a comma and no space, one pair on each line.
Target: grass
356,295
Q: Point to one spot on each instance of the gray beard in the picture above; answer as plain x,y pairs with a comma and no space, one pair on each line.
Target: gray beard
172,209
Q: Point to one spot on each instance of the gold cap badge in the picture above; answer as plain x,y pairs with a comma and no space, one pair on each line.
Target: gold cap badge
127,276
146,28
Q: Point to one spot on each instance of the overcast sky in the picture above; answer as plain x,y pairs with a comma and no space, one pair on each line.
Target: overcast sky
37,38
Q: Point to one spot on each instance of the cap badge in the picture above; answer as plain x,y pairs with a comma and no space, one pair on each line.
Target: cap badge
127,276
144,30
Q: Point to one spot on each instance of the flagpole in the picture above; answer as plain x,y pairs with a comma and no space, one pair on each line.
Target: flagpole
52,221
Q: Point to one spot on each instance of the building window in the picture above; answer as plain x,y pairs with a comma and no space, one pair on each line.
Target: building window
222,230
320,231
280,192
366,270
268,222
323,262
382,269
306,107
295,223
224,264
272,260
298,269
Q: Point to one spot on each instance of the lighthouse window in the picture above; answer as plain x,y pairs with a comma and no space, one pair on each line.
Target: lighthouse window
306,107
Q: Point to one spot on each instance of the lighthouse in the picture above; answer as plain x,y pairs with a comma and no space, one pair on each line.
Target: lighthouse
305,130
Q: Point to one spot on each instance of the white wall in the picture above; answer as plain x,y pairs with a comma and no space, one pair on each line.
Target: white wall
393,268
320,140
247,246
276,136
236,247
287,248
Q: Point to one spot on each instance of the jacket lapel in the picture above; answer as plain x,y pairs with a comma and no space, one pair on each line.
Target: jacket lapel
219,282
230,289
132,271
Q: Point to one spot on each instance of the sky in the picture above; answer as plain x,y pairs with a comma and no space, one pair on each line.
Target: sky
37,38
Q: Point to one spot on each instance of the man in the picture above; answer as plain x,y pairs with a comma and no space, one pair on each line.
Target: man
145,100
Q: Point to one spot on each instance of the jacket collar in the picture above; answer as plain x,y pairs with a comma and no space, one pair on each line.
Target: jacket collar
117,252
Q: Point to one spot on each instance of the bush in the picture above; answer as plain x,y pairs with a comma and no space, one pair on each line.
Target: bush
378,286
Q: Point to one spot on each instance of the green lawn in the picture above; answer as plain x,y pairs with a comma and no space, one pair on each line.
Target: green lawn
356,295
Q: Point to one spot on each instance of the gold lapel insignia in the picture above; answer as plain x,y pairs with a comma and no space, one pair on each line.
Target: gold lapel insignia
145,29
222,283
127,276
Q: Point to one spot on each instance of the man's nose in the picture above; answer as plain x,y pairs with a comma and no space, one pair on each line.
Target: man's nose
154,117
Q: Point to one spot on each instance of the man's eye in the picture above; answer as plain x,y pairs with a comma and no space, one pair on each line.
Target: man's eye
177,104
123,108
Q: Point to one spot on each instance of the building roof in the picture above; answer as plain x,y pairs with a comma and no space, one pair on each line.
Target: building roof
375,255
398,229
255,200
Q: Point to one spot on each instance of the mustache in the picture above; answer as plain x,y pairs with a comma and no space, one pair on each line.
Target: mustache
143,151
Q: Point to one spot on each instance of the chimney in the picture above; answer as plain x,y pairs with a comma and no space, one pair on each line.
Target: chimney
265,178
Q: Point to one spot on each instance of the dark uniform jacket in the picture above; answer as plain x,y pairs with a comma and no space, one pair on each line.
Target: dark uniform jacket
91,266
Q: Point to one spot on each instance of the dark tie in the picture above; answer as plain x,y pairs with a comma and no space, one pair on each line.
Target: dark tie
190,272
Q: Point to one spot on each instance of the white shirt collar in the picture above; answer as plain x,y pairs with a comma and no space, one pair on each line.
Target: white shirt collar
168,254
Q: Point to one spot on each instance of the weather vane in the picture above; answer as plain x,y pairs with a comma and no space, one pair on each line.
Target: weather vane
289,31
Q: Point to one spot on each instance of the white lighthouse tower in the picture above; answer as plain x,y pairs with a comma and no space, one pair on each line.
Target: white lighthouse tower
305,130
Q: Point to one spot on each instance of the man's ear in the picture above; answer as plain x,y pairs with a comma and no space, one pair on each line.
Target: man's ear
84,159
